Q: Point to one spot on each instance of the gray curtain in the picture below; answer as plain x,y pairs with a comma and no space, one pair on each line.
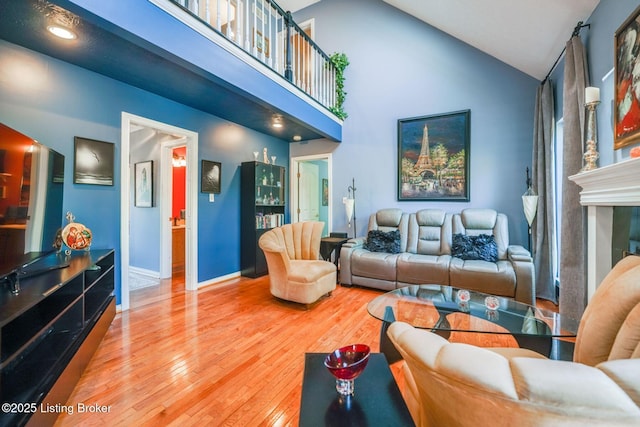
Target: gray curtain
543,228
573,280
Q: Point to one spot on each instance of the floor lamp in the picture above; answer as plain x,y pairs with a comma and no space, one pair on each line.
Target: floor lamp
350,206
530,206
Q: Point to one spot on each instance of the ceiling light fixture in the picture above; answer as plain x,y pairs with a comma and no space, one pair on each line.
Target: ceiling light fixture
179,162
62,32
277,122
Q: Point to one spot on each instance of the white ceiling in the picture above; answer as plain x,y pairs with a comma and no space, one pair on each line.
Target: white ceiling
529,35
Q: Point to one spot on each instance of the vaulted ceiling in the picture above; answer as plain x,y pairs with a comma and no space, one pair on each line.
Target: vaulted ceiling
529,35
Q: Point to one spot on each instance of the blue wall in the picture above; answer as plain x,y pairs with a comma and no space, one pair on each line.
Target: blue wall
598,40
401,67
53,101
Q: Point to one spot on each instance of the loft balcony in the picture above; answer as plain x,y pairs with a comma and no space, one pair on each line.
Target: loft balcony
266,32
245,61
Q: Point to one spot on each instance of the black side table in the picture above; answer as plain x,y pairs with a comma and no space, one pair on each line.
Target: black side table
376,402
330,244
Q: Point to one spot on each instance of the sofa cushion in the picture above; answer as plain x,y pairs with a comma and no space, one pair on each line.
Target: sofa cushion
496,278
383,241
423,269
375,265
482,247
429,232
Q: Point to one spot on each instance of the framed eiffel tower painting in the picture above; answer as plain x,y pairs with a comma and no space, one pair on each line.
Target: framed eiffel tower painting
433,157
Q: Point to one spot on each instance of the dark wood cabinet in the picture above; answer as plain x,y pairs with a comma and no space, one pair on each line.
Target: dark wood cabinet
262,207
50,330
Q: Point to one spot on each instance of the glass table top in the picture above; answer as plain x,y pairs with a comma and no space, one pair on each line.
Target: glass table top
444,308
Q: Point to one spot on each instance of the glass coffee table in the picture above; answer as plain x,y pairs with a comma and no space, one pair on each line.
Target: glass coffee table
444,309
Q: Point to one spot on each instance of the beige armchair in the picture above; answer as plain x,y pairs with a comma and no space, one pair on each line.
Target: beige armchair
295,271
462,385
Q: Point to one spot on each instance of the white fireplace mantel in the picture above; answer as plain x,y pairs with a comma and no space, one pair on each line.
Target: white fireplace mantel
602,189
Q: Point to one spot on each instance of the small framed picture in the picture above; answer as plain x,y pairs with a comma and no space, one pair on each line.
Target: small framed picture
325,192
93,162
143,183
211,172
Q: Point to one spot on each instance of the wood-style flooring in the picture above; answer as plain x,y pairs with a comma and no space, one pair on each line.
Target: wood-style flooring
226,355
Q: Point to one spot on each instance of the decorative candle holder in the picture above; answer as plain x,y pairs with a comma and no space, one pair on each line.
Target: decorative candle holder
591,133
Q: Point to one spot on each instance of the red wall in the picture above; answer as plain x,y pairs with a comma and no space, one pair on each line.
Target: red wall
179,184
15,145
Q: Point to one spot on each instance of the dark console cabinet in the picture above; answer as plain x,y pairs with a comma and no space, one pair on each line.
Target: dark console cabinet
262,207
50,330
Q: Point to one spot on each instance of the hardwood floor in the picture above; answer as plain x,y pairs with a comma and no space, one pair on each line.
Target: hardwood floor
227,355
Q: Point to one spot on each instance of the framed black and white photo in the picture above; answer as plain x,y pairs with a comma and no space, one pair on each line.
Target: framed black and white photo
143,182
210,182
93,162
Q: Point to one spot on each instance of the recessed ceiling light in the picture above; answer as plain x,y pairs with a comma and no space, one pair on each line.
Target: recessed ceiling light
277,122
62,32
297,138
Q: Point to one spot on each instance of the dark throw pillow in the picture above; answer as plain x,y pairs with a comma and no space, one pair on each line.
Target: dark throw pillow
482,247
381,241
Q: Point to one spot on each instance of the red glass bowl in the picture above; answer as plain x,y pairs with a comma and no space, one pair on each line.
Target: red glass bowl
346,363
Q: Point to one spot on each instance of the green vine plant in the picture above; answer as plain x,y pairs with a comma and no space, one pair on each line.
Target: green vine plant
340,62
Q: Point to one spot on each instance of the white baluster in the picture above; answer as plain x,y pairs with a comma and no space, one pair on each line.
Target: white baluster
247,37
303,64
264,36
298,58
255,29
316,63
276,54
325,85
218,24
229,31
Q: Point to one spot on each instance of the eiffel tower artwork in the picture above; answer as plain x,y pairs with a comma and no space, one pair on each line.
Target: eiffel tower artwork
423,163
433,157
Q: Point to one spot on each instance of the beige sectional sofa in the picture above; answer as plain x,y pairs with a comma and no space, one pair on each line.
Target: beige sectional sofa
425,254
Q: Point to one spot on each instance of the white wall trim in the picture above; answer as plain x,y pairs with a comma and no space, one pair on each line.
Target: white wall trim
145,272
602,189
293,187
219,279
191,265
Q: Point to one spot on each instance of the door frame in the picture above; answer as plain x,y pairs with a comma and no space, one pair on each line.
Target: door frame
166,205
191,221
293,179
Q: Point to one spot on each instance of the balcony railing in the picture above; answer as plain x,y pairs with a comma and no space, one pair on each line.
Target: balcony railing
268,33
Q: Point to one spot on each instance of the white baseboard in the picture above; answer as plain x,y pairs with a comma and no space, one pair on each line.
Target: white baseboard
144,272
218,280
210,282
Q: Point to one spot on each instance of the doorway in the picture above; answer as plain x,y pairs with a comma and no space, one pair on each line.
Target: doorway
159,142
311,189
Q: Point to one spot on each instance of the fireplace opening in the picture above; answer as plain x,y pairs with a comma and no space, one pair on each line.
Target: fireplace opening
625,238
